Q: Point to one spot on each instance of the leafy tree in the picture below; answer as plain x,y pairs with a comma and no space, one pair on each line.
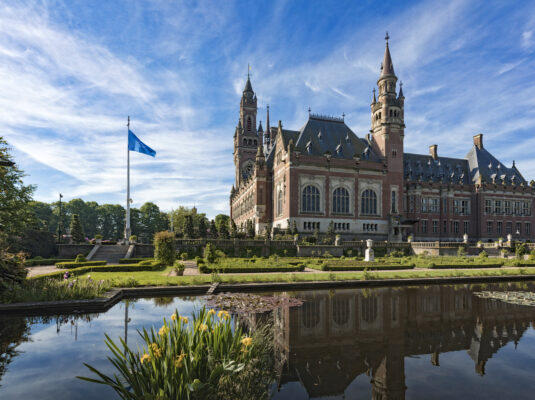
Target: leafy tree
77,232
152,221
233,228
267,232
111,221
202,228
188,228
14,197
250,229
213,229
223,231
40,216
220,220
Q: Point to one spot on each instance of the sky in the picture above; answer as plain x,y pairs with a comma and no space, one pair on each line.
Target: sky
72,71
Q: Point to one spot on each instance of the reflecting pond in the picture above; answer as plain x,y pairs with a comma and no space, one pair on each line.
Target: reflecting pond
437,342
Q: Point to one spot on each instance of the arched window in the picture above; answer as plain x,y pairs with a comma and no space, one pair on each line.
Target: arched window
310,201
394,202
249,123
341,201
340,311
369,202
279,203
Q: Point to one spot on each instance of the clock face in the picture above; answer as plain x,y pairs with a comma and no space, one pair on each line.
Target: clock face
247,170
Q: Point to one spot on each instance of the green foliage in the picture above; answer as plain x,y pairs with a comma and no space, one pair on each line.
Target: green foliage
223,231
294,231
199,221
134,260
213,229
164,247
202,227
75,264
14,198
329,236
50,289
179,268
233,228
236,265
133,238
520,250
12,271
201,358
461,251
33,243
81,270
77,232
45,261
267,232
80,258
188,229
209,253
99,236
250,231
483,254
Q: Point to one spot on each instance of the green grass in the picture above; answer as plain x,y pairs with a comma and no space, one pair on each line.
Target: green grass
146,278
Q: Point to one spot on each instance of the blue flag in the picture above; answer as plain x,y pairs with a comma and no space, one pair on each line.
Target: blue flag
135,144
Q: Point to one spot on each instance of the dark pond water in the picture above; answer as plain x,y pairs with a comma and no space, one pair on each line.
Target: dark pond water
435,342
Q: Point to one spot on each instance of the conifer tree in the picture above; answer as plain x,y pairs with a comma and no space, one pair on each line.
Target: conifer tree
188,229
202,228
294,228
329,237
223,231
250,229
213,229
77,232
233,229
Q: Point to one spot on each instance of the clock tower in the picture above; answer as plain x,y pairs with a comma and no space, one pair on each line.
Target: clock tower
246,139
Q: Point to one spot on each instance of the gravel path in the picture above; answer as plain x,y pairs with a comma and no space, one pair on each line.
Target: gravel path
42,269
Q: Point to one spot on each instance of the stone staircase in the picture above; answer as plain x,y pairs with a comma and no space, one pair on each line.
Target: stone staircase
110,253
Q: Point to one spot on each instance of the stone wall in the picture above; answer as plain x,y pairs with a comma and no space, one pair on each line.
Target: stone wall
143,250
72,250
316,251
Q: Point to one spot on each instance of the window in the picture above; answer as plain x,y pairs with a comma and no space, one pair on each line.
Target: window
499,227
518,229
279,203
456,206
528,228
434,205
497,207
424,204
411,203
435,226
341,201
369,202
526,209
394,208
249,124
465,207
444,226
310,201
489,227
466,227
517,208
507,207
424,226
488,207
509,227
455,226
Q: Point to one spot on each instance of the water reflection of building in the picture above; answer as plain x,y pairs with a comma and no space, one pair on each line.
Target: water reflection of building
336,336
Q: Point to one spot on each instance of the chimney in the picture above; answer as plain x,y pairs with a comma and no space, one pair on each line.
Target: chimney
433,151
478,140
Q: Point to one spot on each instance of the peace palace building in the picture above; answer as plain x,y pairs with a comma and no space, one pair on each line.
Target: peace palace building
369,187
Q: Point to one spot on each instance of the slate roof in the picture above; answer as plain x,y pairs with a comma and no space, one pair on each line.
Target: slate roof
425,168
489,168
478,162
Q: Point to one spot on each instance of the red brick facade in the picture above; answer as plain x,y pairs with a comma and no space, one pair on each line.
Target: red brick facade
368,187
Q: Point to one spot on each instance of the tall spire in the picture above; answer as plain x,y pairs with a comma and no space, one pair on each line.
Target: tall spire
374,99
387,68
401,91
268,128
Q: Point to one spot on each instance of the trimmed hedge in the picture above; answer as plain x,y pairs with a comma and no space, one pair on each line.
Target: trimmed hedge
134,260
45,261
205,269
460,266
72,264
155,266
327,267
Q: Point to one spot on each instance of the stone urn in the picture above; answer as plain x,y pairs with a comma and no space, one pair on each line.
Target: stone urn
465,238
337,240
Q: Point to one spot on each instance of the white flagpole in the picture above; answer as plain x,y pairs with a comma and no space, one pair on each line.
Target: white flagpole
127,230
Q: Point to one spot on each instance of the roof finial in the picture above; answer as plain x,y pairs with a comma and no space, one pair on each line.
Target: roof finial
309,111
248,70
401,89
386,38
374,100
343,116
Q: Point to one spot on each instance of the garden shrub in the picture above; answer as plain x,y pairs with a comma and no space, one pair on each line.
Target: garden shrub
184,256
81,270
12,271
45,261
164,247
70,264
79,258
209,253
134,260
483,254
